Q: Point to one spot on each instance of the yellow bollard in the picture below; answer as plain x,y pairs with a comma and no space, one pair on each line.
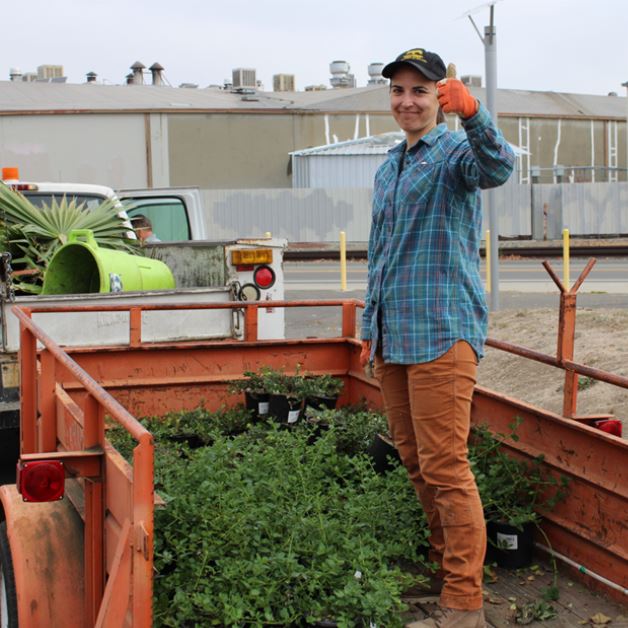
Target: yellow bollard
343,261
566,259
487,259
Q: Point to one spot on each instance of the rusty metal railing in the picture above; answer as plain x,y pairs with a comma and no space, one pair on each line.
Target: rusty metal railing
83,456
565,347
563,358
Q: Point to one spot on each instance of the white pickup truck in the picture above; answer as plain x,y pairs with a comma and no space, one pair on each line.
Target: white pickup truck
204,271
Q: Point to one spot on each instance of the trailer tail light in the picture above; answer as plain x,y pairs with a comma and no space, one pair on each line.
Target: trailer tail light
248,257
41,480
264,277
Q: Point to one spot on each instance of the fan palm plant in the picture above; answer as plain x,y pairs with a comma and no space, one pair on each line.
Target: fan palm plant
32,235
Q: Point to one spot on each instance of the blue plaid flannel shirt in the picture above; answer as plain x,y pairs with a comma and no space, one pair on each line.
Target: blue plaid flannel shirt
424,281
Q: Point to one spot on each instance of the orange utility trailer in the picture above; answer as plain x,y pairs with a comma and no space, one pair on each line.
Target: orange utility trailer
87,559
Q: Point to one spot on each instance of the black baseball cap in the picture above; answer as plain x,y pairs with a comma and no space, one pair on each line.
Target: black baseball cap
427,63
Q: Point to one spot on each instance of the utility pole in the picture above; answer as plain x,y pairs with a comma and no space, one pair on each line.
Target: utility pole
626,86
489,41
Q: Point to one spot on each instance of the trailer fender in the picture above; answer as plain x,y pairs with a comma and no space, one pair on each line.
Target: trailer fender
46,543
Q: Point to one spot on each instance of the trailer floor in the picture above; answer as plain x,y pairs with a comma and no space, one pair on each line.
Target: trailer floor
505,589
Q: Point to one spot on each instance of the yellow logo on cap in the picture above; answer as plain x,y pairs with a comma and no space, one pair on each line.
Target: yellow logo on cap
415,55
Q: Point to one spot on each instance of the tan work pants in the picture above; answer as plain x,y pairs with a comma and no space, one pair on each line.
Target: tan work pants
428,406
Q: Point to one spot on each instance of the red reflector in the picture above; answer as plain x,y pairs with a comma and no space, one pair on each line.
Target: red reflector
264,277
610,426
244,267
41,480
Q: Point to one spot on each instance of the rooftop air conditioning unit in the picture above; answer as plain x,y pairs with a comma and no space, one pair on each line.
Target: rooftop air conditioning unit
244,80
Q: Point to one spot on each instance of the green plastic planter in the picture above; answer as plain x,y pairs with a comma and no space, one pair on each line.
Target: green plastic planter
81,266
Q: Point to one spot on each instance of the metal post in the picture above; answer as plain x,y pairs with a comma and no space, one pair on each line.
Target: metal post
566,280
343,261
490,59
487,262
626,86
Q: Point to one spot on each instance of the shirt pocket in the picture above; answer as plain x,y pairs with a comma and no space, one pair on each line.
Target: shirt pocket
419,182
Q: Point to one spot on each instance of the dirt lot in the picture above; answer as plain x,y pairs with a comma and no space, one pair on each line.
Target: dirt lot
601,342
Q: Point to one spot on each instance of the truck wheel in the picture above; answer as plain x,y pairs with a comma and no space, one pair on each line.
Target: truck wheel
8,597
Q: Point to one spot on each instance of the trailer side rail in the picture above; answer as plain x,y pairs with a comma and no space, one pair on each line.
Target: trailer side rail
114,500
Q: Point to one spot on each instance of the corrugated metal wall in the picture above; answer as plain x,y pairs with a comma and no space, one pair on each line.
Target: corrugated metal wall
583,208
301,215
514,208
334,171
318,215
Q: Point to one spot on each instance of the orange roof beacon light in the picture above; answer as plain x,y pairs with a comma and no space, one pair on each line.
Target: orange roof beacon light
11,178
10,174
41,480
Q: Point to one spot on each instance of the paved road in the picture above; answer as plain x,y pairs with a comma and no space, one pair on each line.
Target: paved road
523,285
609,275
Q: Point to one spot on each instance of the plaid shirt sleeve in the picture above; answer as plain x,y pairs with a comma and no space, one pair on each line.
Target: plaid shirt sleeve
485,160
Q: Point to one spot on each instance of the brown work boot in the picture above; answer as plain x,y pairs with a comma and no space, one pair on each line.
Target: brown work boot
451,618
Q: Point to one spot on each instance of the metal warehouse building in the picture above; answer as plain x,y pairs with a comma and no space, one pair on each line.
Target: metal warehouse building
148,135
336,165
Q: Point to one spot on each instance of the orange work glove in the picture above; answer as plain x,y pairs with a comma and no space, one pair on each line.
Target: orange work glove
454,97
365,354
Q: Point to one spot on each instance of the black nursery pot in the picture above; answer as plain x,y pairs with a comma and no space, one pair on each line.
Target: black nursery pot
285,409
508,546
256,403
381,450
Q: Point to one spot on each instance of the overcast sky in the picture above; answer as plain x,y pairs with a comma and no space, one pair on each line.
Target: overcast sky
577,46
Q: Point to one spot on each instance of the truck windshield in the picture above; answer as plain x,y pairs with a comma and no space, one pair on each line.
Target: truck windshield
40,199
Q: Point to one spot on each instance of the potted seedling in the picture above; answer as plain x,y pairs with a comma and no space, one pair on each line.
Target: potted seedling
255,393
512,492
355,428
322,391
286,398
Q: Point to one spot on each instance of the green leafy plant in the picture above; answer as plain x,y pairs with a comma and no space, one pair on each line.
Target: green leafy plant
585,382
532,612
186,428
279,383
268,528
354,427
32,235
252,383
513,491
321,386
